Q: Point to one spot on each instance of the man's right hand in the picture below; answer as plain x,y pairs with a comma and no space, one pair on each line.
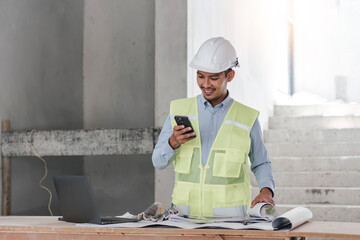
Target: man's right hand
178,137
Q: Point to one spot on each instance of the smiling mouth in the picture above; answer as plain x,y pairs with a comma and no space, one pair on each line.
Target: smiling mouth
208,91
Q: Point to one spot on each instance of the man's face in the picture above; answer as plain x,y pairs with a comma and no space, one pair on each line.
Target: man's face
214,85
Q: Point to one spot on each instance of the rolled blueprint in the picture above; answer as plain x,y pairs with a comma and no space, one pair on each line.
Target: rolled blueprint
263,210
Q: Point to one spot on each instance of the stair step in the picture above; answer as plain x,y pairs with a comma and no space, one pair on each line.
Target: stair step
326,212
312,149
314,122
312,135
335,109
315,179
304,195
315,154
311,164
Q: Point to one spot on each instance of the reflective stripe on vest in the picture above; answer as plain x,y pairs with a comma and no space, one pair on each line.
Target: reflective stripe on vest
225,180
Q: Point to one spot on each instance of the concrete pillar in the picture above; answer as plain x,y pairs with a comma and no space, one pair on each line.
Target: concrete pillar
170,75
119,93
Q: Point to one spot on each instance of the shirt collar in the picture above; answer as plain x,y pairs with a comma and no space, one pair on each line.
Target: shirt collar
225,102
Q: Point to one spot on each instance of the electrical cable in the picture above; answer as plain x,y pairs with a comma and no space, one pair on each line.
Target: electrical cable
46,171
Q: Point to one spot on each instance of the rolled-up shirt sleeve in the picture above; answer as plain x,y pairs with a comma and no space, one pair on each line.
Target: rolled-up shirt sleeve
163,153
260,163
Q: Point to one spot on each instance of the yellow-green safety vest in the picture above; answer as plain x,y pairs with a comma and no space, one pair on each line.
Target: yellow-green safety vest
225,179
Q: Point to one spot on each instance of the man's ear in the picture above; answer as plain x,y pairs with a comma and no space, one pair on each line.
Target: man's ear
230,76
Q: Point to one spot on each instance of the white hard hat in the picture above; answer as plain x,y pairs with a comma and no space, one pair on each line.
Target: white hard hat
215,55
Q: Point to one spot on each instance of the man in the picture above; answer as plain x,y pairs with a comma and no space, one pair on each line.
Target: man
211,167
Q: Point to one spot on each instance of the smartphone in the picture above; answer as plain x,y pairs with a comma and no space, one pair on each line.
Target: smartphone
184,120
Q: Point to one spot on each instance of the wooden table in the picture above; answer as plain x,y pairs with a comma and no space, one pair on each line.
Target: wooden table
14,227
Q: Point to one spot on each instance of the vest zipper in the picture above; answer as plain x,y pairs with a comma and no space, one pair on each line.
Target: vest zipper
201,187
203,170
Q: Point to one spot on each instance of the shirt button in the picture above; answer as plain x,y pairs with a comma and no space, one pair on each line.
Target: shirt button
212,132
213,116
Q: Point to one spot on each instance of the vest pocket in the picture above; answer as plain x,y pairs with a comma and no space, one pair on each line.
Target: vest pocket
182,163
181,195
228,198
228,164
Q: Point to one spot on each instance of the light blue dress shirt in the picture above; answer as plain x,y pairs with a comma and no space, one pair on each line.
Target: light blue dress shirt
210,120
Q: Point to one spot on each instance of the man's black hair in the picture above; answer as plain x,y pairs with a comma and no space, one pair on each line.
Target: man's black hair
227,71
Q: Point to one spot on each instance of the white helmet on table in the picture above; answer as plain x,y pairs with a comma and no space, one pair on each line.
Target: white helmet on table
215,55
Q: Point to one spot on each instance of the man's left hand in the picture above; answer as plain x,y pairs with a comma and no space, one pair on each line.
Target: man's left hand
264,196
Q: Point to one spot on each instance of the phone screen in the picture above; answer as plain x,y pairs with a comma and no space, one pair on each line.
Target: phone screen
184,120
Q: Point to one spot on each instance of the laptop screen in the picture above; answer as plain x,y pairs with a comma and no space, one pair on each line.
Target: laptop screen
76,198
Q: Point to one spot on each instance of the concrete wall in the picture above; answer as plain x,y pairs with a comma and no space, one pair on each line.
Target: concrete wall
327,47
119,45
170,75
41,87
79,64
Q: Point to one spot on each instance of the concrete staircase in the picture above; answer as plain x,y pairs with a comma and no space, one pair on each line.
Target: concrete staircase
315,154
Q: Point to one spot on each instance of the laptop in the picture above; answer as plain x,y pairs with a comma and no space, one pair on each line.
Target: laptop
77,202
